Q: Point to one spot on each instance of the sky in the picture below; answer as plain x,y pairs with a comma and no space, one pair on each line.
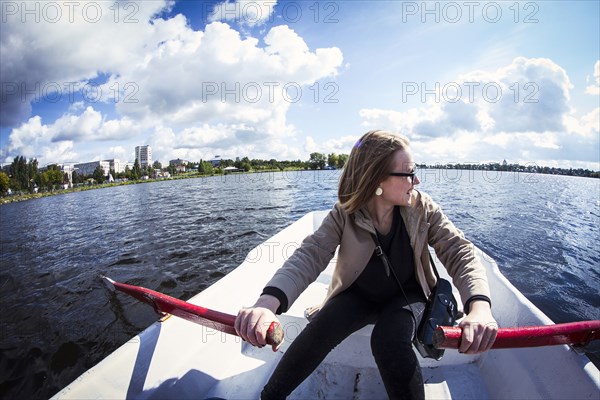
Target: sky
466,82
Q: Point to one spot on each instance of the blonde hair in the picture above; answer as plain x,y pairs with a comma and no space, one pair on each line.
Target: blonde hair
369,163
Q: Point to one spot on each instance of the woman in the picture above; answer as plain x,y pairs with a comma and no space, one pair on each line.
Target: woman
377,202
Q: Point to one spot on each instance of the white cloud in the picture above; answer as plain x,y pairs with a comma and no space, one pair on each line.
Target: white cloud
197,93
215,89
595,87
401,122
118,152
210,89
204,136
228,141
76,106
453,117
587,125
60,52
34,140
457,148
342,145
26,139
244,12
59,153
524,112
528,94
310,146
226,94
225,79
77,127
91,126
67,138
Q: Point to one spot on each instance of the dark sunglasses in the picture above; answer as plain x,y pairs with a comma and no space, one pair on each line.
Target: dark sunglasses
410,174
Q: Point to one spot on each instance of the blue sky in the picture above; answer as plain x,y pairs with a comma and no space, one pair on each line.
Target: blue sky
465,81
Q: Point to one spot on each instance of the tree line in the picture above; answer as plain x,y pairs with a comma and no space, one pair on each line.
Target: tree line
25,176
316,161
529,168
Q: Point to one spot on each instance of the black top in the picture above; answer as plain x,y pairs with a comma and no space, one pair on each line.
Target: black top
375,284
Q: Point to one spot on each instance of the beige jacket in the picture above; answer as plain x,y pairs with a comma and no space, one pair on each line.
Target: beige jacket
426,225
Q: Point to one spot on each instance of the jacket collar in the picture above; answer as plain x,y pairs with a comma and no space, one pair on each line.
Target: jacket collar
413,218
363,220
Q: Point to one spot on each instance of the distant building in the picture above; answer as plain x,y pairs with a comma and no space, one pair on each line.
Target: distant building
117,165
66,168
215,161
227,170
88,168
144,155
504,163
161,174
178,161
179,164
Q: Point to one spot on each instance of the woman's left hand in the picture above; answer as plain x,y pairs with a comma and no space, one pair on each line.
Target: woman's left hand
479,329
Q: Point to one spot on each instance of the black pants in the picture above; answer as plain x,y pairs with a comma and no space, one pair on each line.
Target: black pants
391,344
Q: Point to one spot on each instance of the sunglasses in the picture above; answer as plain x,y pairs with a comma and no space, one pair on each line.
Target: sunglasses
412,175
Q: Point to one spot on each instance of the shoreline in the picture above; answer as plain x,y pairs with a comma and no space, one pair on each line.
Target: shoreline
32,196
16,198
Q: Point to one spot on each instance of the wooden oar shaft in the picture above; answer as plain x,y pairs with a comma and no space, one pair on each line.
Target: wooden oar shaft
573,333
164,304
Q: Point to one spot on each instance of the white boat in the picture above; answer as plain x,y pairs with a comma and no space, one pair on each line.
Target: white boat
176,359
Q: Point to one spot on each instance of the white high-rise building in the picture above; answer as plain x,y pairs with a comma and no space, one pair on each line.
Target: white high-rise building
144,155
117,165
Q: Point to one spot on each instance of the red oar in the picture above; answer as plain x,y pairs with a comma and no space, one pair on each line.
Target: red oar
572,333
164,304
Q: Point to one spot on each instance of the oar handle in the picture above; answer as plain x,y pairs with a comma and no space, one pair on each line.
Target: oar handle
274,335
573,333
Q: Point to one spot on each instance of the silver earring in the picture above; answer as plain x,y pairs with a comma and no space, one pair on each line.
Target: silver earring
378,191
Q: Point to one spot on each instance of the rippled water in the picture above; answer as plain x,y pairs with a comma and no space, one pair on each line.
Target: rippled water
542,230
180,236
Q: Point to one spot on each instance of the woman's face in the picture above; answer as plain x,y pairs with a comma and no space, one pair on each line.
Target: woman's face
397,190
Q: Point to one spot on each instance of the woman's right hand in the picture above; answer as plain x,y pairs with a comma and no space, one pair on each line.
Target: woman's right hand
252,323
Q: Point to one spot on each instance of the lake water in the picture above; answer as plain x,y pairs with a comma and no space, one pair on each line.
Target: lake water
180,236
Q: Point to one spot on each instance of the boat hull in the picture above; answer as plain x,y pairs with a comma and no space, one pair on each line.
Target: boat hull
177,359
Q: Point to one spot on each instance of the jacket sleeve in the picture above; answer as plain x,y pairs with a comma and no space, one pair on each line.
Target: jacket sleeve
457,254
310,259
